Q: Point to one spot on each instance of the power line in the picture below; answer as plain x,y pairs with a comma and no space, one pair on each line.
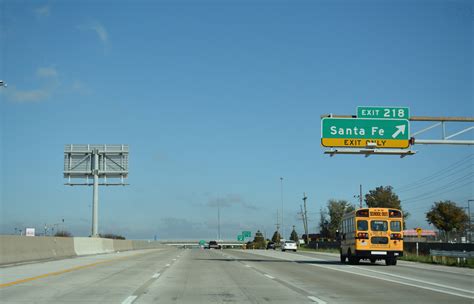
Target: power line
435,175
457,201
438,180
428,195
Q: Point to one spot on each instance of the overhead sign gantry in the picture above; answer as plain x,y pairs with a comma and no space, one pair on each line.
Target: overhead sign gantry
384,130
91,163
362,132
376,127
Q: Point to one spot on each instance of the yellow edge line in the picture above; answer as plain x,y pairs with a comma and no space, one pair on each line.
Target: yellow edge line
64,271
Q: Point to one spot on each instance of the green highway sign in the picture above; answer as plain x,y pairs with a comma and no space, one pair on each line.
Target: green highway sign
361,132
202,242
240,238
247,233
383,112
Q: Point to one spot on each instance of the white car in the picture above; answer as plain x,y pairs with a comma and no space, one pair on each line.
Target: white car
288,245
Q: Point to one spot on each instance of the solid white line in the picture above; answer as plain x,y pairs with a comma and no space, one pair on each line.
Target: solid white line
174,259
156,275
385,279
269,276
314,299
416,280
129,300
395,281
167,265
248,266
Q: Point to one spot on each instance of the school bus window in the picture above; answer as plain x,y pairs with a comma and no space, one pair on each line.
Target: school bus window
395,226
379,225
395,213
362,225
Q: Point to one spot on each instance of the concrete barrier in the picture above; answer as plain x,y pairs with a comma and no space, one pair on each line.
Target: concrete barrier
15,249
85,245
140,244
107,246
122,245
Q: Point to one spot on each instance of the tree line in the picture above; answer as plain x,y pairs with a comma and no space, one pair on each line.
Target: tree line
446,216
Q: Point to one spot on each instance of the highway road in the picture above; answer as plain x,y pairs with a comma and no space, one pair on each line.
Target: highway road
170,275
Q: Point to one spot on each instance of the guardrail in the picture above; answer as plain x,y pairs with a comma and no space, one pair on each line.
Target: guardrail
460,256
453,254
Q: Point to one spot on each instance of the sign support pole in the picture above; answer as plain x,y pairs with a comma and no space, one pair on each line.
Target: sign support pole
95,197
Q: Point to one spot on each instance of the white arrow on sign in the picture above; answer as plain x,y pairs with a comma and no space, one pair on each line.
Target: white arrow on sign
400,129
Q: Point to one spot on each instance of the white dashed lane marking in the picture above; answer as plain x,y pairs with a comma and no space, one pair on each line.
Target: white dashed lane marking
314,299
129,300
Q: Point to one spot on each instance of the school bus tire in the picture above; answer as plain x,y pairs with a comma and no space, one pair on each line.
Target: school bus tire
343,257
352,259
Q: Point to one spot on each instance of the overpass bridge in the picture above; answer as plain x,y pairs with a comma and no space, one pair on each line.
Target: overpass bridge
196,244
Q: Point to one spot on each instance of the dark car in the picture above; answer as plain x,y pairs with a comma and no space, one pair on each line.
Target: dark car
271,245
214,245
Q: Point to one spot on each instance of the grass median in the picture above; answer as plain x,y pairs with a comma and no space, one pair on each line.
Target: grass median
446,261
407,256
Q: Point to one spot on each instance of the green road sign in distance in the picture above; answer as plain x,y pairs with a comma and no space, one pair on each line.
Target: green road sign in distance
240,238
202,242
359,132
246,233
383,112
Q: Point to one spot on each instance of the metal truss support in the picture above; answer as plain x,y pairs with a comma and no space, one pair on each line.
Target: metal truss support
369,152
445,139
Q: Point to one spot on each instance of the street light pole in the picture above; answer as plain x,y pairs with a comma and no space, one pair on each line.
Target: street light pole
281,195
218,222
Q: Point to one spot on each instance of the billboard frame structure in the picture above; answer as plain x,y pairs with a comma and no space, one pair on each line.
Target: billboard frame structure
86,161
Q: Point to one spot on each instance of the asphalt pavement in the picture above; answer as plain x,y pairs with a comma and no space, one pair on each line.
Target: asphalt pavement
170,275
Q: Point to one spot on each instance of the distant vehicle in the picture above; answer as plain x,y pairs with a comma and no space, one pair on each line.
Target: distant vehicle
288,245
214,245
372,234
271,245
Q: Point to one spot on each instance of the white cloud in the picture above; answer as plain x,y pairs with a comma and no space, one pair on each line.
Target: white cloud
99,29
46,72
230,200
81,87
43,11
49,84
22,96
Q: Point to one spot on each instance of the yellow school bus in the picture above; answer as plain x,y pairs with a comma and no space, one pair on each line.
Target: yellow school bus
372,234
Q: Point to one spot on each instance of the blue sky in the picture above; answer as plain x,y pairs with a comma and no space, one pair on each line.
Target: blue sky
218,100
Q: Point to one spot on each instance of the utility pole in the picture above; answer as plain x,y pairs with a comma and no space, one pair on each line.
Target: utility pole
305,224
305,216
469,214
360,196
